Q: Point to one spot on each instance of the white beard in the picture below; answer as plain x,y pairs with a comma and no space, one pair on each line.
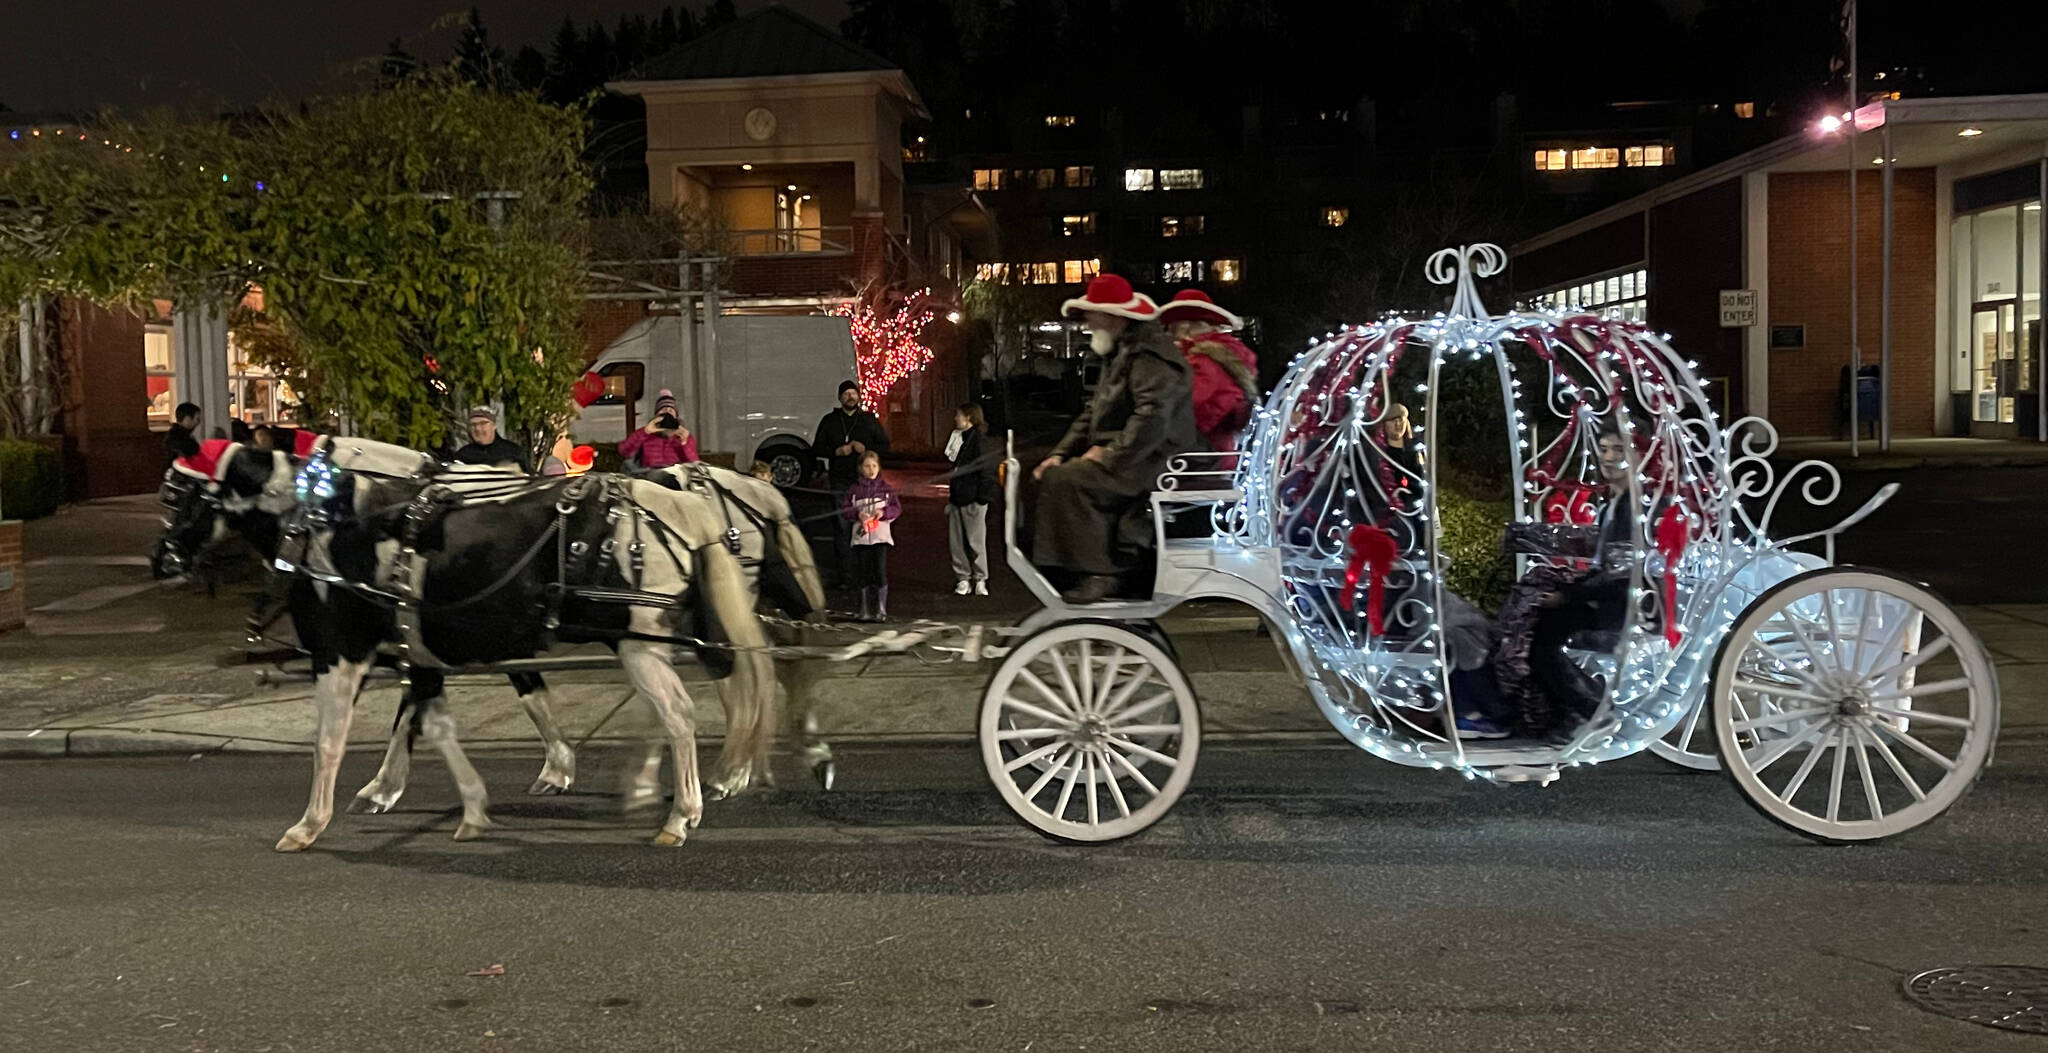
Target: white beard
1101,342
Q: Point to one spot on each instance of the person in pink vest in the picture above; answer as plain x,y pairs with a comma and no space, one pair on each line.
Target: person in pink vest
1226,373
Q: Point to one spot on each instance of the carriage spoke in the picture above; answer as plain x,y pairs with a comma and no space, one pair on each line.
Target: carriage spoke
1898,769
1939,687
1805,641
1806,767
1922,716
1086,695
1130,730
1834,628
1835,783
1067,792
1782,748
1863,769
1744,684
1900,668
1051,697
1088,768
1048,716
1134,772
1019,734
1033,756
1116,790
1892,641
1110,667
1783,716
1066,677
1144,751
1133,710
1917,746
1059,764
1131,685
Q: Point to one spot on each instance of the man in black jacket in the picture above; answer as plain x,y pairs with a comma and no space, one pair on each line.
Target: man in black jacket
843,435
180,440
486,446
1142,414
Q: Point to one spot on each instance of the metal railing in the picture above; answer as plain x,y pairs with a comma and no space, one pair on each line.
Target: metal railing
833,241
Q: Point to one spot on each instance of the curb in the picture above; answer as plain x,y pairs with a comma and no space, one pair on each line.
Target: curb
17,744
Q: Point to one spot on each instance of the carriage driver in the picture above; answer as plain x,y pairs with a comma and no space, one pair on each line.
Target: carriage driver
1110,458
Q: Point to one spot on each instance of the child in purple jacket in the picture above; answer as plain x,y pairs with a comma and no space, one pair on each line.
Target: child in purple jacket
870,506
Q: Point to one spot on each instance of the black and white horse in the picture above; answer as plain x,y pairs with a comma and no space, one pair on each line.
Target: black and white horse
501,567
233,489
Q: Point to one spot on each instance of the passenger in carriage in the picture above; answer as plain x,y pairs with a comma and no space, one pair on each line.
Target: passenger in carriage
1223,372
1102,471
487,447
1541,622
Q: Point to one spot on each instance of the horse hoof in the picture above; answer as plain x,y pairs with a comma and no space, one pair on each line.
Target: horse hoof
666,839
544,788
825,772
370,806
295,840
469,831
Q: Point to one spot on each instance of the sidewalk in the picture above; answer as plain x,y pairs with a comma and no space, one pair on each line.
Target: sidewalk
112,664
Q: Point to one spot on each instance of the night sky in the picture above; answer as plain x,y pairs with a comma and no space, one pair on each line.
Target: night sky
70,55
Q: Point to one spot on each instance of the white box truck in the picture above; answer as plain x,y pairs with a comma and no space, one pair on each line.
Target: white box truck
751,385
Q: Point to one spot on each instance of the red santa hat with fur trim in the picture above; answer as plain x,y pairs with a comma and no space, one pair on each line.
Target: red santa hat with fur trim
1112,294
1194,305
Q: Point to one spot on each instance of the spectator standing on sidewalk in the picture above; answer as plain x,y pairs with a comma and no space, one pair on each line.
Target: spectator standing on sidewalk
973,488
487,447
845,435
871,505
664,443
181,441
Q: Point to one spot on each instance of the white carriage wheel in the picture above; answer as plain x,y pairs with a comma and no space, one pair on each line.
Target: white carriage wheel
1856,677
1089,731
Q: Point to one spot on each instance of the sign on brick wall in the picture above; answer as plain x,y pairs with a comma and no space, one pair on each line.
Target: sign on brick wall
1738,308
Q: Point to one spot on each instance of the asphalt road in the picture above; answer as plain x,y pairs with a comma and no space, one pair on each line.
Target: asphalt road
1300,898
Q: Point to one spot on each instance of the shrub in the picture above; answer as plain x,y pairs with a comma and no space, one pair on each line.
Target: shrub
1471,539
31,484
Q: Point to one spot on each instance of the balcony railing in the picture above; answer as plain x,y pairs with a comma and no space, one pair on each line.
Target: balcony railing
828,241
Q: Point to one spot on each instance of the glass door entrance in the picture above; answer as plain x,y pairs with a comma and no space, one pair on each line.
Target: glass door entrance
1997,371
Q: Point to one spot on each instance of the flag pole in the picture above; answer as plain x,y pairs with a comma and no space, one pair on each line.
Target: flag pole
1855,348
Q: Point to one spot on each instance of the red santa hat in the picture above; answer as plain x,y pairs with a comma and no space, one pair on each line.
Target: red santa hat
304,443
1194,305
210,463
1112,294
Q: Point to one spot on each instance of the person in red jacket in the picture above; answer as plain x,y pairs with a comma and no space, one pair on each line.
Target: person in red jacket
1226,373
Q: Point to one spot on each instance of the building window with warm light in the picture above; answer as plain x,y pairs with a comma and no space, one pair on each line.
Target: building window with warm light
988,179
1180,179
1550,160
1180,226
1745,110
1335,215
1059,120
1076,272
1139,179
1046,178
1596,157
1177,271
1080,176
1652,156
160,374
1226,271
1077,223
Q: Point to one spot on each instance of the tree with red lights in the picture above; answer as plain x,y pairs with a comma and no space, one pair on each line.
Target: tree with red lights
887,339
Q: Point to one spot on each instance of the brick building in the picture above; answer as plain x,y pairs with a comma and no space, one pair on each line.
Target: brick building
1949,196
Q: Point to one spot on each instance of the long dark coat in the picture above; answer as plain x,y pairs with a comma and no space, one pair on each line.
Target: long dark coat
1142,415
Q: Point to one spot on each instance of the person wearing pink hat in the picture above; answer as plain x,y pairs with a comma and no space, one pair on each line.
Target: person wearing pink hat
1111,457
1226,373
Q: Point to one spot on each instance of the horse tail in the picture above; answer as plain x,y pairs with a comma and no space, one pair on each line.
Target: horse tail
752,687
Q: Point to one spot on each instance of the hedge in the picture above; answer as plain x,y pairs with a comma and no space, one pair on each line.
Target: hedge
1471,539
31,483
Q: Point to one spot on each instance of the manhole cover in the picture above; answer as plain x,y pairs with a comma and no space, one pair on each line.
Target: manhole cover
2010,997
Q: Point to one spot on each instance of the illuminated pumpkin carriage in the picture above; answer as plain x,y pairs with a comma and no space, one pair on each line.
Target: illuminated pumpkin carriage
1844,703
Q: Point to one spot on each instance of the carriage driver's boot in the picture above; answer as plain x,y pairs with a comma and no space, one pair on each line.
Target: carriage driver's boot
1091,589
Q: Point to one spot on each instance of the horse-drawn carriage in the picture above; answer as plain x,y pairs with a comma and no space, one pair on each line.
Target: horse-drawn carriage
1844,703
